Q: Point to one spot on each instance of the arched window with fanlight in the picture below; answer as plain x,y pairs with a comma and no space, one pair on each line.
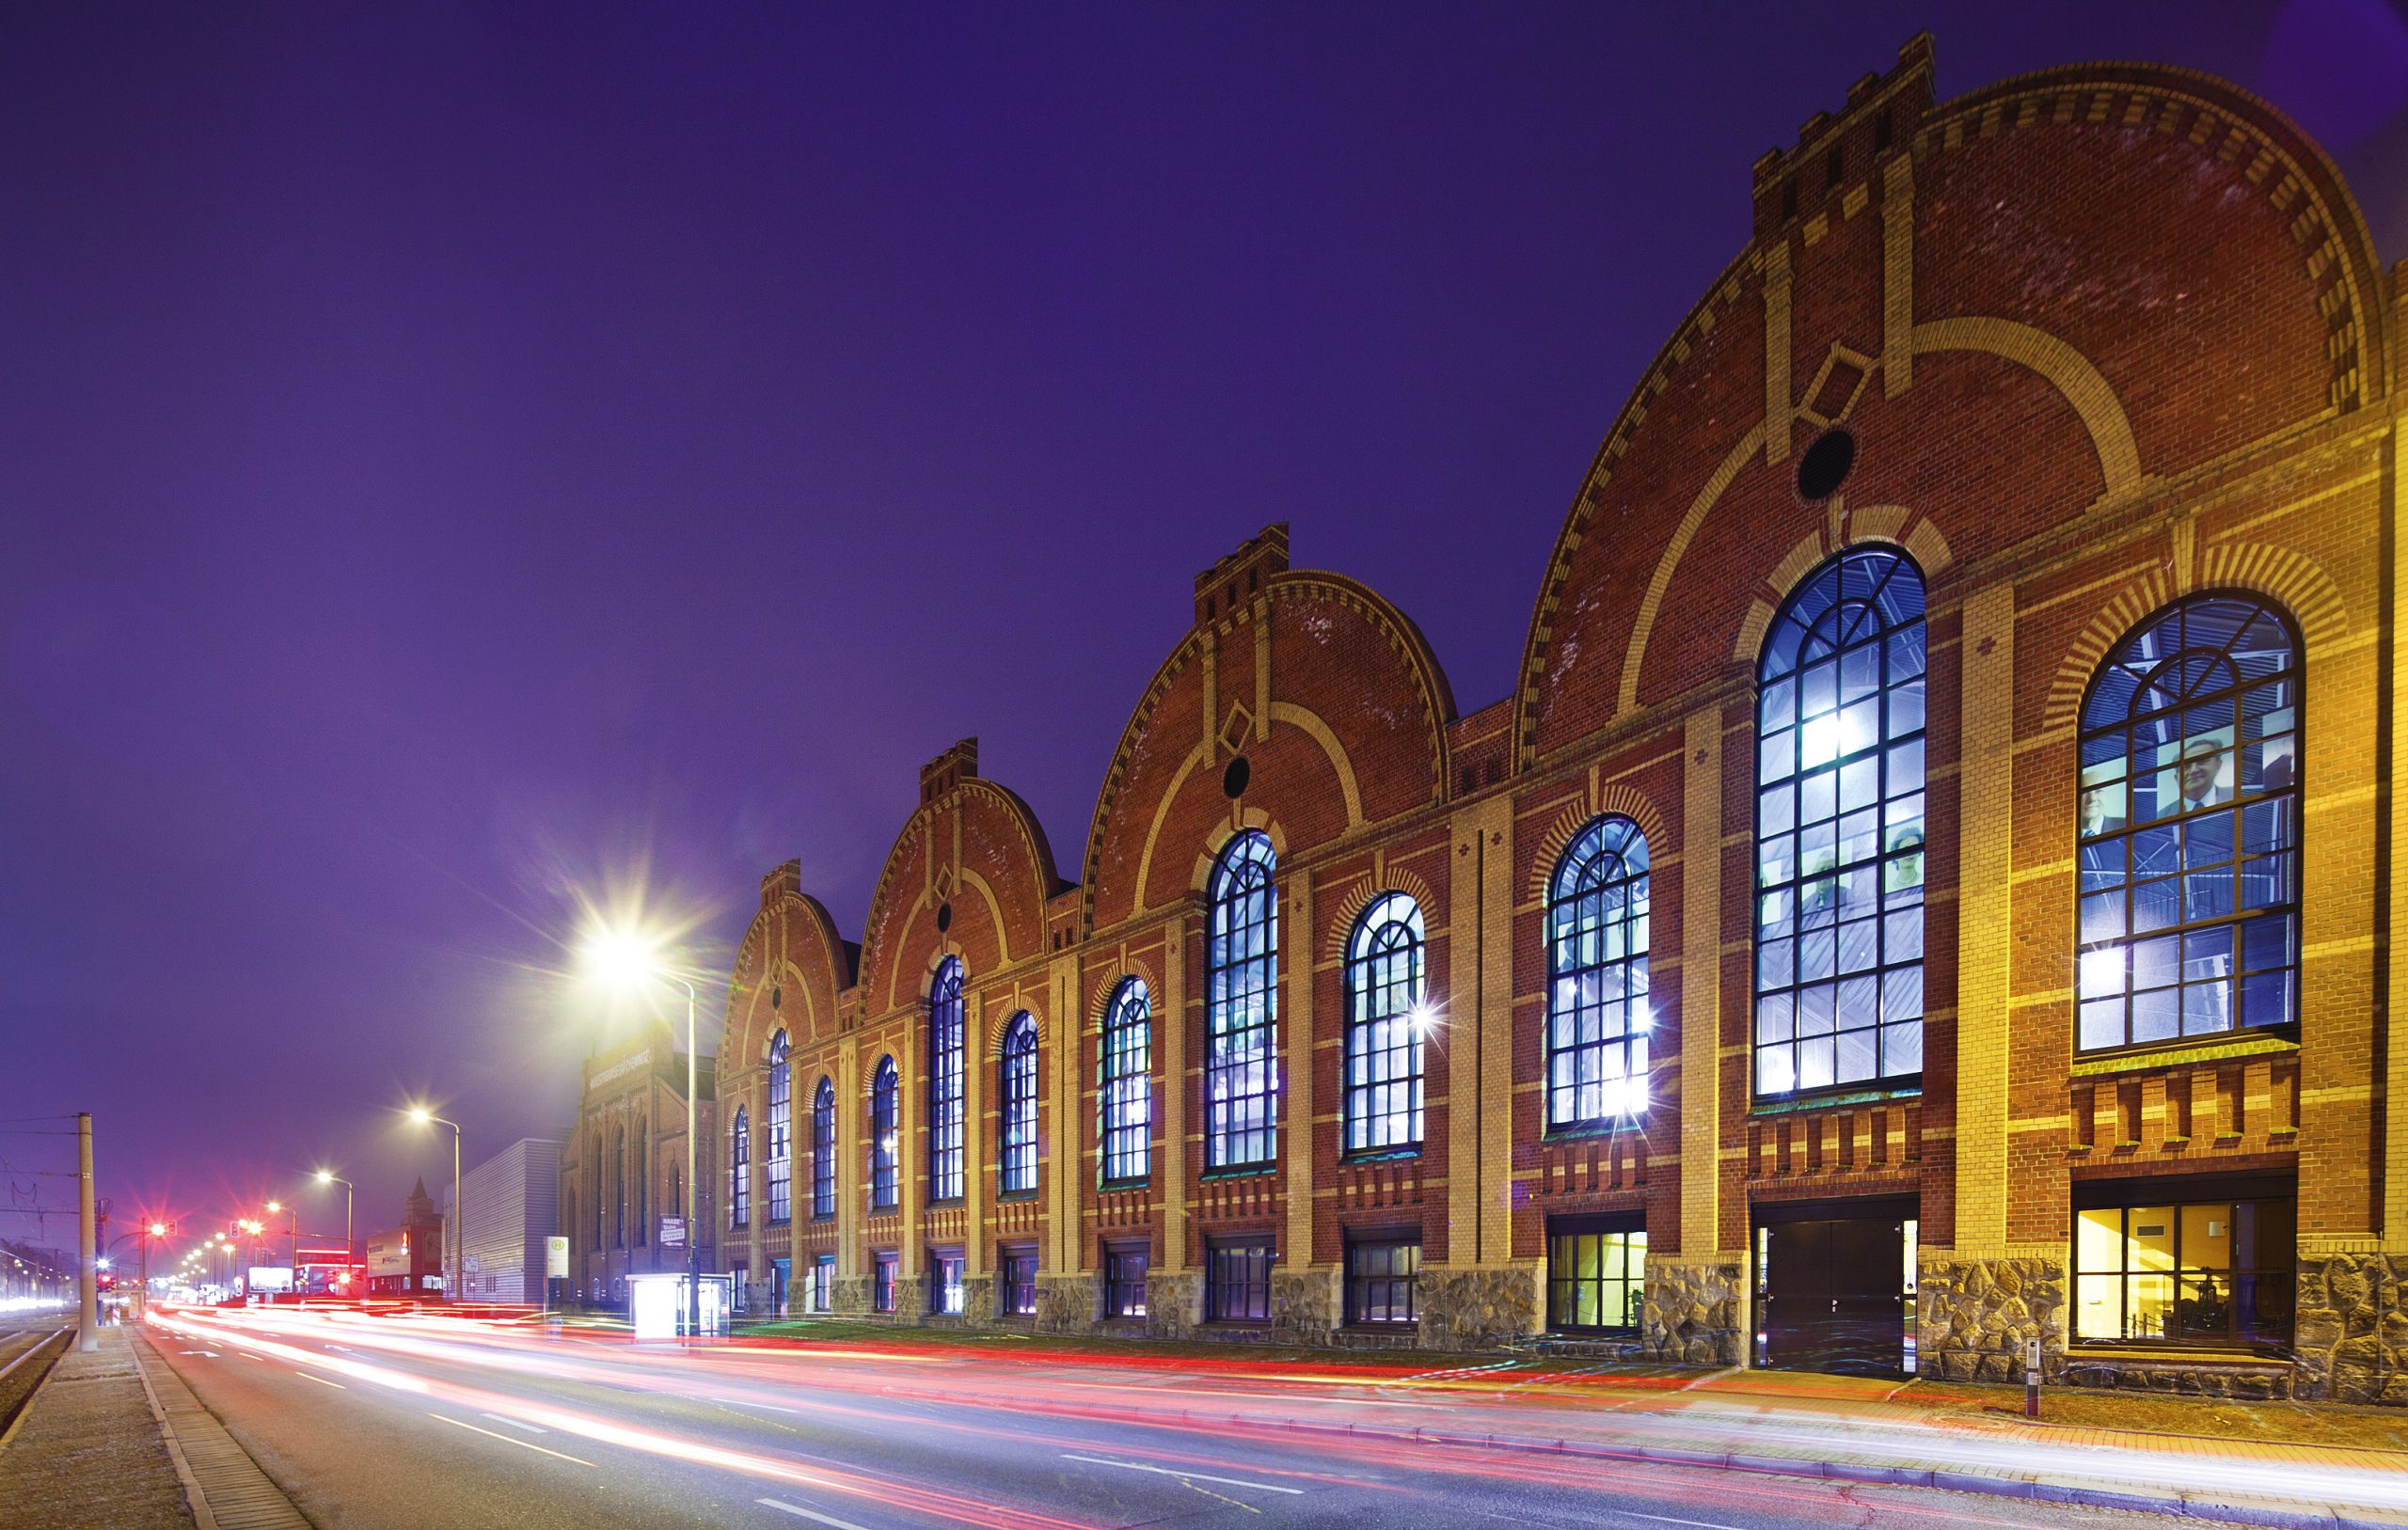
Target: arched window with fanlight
1018,1079
1124,1085
885,1087
823,1150
1597,1013
739,1171
1386,1021
1840,830
947,1048
780,1157
2187,836
1242,1007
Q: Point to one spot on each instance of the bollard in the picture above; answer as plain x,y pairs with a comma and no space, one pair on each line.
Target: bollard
2031,1378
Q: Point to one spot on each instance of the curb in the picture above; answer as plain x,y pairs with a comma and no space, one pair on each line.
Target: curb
1859,1471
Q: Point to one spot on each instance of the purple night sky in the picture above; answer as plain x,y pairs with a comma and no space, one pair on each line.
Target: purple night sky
455,456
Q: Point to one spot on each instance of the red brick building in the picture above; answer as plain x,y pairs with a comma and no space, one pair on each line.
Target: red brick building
1930,890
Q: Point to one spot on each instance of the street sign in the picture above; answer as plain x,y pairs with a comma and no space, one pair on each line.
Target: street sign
556,1258
672,1232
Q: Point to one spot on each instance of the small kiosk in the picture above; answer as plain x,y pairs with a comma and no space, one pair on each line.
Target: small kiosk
657,1304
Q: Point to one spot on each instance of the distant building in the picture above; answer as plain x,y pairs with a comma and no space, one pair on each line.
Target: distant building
624,1197
512,1205
408,1261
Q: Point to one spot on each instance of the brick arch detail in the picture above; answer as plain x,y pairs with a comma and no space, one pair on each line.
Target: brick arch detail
1610,799
1242,821
2291,579
2297,178
1100,991
1359,894
1001,1023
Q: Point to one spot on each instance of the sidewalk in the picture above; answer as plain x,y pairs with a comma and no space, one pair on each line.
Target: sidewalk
89,1451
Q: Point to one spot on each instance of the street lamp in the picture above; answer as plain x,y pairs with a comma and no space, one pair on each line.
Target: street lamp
425,1117
328,1177
293,1230
627,961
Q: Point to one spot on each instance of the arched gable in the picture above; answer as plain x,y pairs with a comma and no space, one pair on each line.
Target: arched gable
969,876
1328,693
788,970
2025,305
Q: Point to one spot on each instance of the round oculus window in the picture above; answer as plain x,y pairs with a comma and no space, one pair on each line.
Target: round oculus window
1825,465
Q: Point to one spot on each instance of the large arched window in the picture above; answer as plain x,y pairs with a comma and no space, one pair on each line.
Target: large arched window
1019,1080
619,1200
823,1150
1597,1015
739,1171
1124,1088
642,1188
882,1136
945,1082
781,1163
2189,836
1385,1020
1242,1008
1840,830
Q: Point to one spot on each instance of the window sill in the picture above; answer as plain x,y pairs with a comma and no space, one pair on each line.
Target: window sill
940,1202
2179,1054
1119,1186
1380,1155
1016,1195
1240,1171
1588,1130
1829,1098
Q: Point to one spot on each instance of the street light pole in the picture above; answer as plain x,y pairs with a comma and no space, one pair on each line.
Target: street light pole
450,1279
325,1178
628,960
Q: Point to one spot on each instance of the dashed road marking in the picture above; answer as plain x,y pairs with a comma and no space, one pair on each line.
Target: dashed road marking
1199,1476
322,1381
506,1440
530,1428
812,1514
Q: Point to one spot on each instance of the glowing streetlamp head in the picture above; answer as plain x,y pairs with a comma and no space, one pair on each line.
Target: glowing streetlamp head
325,1178
275,1205
421,1114
622,958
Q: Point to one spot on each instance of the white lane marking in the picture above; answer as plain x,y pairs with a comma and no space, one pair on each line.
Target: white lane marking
1199,1476
508,1441
321,1381
808,1513
1667,1518
247,1355
530,1428
770,1406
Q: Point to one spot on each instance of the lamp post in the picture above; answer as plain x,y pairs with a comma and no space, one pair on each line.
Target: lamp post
423,1117
628,962
326,1177
293,1230
151,1230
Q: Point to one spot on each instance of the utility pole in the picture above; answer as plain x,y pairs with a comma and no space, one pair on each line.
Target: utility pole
87,1258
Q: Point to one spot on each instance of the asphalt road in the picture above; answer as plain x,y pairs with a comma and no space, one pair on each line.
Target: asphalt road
417,1421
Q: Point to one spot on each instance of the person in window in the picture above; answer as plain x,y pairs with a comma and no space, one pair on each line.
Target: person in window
2203,775
1905,868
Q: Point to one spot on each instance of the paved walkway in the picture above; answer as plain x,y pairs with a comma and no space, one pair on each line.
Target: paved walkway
89,1452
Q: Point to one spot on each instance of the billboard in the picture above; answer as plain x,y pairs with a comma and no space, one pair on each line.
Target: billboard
269,1278
388,1254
